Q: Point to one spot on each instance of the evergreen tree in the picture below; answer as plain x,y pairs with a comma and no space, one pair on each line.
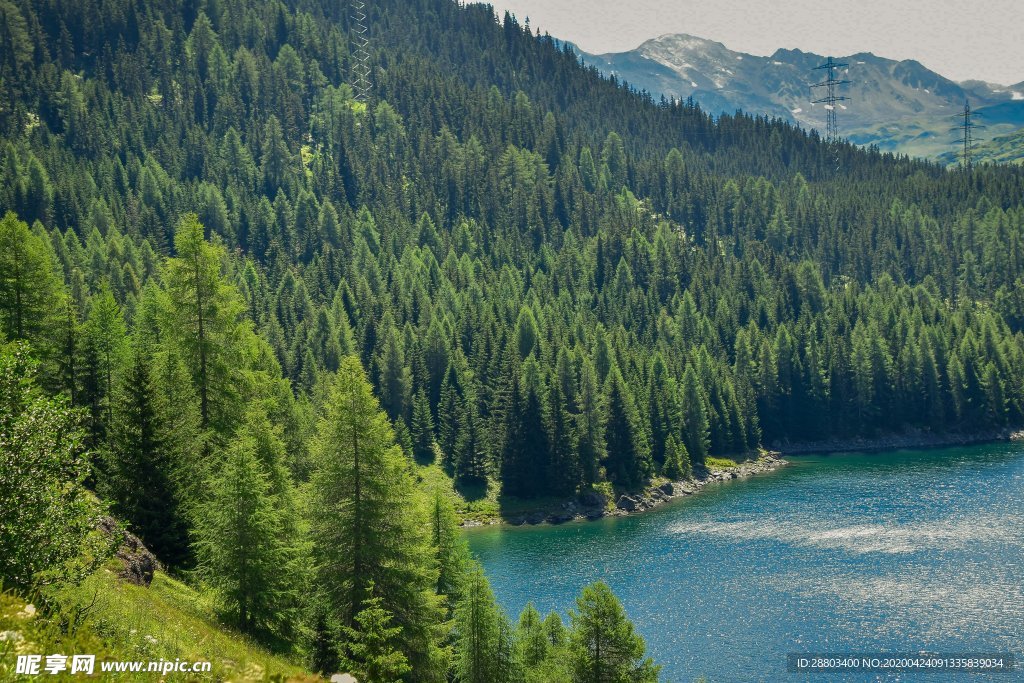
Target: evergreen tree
531,637
30,291
563,469
527,451
241,550
628,458
450,548
371,523
603,647
422,429
105,334
483,647
677,461
591,420
370,650
141,462
204,320
470,458
696,425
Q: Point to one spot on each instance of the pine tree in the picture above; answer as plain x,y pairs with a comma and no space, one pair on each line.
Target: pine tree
628,459
371,652
696,426
531,637
677,461
450,549
141,465
448,411
527,452
239,542
603,647
470,458
422,428
395,379
105,334
555,630
483,648
370,522
563,467
30,291
591,421
204,320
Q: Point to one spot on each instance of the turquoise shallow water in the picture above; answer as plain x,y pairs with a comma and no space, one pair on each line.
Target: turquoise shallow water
895,552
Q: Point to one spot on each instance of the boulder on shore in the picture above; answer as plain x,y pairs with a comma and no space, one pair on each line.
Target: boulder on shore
593,499
628,503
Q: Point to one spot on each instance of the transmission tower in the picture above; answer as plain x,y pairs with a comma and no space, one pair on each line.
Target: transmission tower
967,137
831,98
360,54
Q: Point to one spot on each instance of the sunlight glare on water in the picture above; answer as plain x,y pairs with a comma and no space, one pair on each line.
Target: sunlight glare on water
898,552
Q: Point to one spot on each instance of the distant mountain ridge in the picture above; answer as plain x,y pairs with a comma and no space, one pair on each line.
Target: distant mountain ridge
901,106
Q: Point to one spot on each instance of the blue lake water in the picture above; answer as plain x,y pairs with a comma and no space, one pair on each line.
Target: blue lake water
897,552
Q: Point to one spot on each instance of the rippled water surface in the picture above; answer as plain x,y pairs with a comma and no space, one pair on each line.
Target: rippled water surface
892,552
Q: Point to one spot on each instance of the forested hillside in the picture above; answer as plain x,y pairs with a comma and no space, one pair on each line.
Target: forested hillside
223,261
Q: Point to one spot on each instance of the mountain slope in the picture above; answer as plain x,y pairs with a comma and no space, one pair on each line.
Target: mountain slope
499,232
901,106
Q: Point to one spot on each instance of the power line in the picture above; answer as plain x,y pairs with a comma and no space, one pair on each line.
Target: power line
831,98
967,138
360,68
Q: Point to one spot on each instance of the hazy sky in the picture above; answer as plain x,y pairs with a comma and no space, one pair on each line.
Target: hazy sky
982,39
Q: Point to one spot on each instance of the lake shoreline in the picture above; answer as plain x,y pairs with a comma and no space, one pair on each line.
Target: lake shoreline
593,506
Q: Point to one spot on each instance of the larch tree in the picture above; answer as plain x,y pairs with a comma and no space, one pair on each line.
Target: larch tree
240,546
603,646
484,649
371,523
204,317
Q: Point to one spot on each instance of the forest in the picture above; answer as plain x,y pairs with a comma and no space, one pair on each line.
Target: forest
242,307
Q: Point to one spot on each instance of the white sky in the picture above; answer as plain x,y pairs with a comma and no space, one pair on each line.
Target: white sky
982,39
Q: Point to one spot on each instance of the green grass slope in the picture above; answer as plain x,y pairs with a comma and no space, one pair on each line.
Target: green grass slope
118,621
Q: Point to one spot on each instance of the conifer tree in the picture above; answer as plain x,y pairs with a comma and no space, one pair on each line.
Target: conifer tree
141,462
677,461
563,467
450,549
30,291
628,458
603,647
371,524
591,420
555,630
105,335
527,452
470,458
483,647
371,652
203,317
696,425
422,428
531,637
240,546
